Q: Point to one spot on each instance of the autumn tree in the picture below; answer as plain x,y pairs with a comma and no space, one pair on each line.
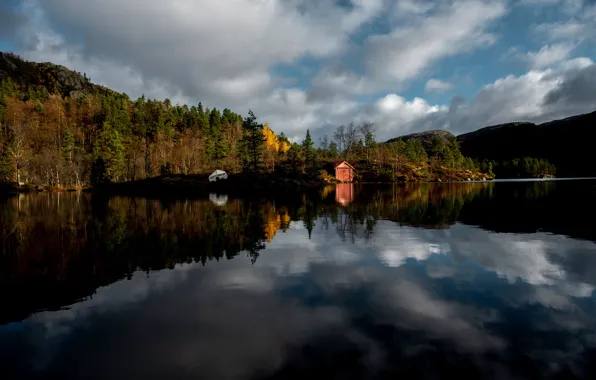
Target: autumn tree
272,146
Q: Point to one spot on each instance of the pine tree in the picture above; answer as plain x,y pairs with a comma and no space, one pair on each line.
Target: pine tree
253,142
68,145
370,144
333,150
110,149
308,151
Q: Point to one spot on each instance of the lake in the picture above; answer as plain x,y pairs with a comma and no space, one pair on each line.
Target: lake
482,280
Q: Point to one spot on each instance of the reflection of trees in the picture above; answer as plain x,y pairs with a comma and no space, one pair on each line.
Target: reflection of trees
566,207
57,248
423,205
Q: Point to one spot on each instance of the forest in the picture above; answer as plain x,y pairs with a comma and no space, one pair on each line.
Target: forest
76,135
55,141
525,167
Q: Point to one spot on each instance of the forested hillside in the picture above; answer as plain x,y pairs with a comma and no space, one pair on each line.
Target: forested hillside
563,145
57,129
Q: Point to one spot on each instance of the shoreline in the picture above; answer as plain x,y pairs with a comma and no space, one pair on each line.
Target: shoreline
237,184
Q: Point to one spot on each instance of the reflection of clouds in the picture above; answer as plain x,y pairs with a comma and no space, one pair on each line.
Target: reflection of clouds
231,319
510,256
410,306
537,259
205,326
250,279
119,294
526,257
399,244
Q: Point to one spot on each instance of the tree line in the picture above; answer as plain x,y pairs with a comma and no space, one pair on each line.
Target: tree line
525,167
54,140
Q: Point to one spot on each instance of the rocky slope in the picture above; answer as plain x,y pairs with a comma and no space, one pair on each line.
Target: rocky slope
54,79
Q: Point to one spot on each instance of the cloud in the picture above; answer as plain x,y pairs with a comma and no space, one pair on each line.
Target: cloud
437,85
406,52
548,56
207,49
577,90
361,57
580,27
513,98
10,22
571,30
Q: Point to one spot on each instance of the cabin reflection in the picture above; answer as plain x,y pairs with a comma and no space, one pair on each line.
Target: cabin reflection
344,193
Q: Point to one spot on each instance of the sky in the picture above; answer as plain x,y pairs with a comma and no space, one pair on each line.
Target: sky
405,65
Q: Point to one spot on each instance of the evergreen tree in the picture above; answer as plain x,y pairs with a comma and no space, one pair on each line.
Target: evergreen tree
110,149
333,153
68,146
370,144
308,151
253,142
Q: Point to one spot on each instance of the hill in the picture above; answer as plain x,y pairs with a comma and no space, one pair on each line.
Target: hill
425,137
566,143
46,77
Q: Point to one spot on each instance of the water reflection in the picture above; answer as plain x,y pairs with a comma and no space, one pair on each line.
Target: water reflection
344,193
399,282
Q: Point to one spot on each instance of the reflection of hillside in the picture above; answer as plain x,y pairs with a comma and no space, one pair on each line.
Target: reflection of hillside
566,208
58,248
428,205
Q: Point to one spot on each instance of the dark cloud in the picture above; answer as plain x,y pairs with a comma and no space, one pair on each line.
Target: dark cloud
10,22
579,89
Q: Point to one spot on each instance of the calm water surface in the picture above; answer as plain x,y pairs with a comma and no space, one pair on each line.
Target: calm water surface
483,280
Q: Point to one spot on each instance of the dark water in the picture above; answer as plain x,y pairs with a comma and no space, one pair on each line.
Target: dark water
482,280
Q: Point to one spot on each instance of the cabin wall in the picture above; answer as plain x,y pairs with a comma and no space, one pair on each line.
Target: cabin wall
344,174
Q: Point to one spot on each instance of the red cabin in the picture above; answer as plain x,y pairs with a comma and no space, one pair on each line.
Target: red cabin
344,172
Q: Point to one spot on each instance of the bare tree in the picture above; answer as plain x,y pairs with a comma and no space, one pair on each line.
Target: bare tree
324,142
367,128
350,139
340,137
18,150
367,132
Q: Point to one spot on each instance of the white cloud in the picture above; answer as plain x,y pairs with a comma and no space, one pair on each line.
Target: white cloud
437,85
547,56
406,52
561,31
221,53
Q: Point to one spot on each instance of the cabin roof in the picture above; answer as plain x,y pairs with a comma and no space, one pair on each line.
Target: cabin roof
344,163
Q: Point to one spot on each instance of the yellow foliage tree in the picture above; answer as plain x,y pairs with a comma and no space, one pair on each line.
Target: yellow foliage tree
284,146
271,144
271,140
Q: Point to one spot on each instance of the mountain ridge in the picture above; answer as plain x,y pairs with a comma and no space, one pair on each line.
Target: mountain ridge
566,142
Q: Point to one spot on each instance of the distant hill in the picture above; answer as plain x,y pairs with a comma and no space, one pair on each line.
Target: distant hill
54,79
426,138
568,143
